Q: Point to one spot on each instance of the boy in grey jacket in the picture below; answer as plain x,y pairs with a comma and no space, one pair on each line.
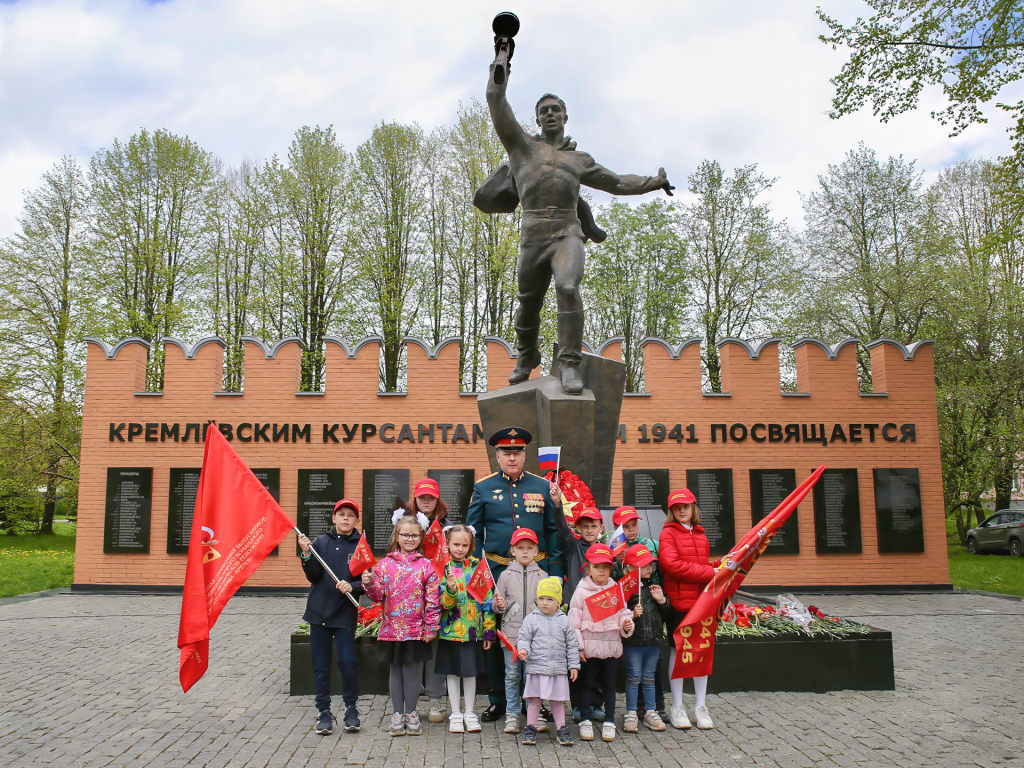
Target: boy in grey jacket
548,645
515,596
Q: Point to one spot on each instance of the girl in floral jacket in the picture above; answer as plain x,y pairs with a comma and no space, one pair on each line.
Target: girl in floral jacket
464,623
406,582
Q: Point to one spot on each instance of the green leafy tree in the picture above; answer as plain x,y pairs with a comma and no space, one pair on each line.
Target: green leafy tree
390,224
42,287
972,49
635,284
869,238
739,264
308,270
149,222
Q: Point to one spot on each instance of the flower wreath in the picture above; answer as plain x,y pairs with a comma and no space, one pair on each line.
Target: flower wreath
575,493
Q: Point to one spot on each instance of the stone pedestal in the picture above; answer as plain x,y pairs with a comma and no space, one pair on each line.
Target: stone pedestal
586,425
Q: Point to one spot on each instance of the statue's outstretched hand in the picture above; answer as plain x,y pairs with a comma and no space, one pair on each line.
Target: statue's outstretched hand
664,182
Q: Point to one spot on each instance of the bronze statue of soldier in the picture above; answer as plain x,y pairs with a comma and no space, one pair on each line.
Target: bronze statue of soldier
544,173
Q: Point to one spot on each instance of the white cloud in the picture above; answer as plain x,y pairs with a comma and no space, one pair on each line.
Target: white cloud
646,84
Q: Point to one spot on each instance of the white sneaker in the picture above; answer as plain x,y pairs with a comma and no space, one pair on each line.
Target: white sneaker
587,730
703,719
653,721
630,723
511,723
542,724
436,712
472,723
679,718
455,724
608,731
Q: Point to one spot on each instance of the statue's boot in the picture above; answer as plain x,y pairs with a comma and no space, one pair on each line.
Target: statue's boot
570,351
529,354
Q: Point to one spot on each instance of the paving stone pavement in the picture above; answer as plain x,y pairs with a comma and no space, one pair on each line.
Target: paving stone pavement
92,681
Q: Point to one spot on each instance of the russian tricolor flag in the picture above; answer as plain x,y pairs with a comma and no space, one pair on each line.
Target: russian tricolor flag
547,458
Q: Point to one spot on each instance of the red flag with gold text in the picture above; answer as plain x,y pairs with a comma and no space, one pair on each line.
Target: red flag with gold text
236,524
481,582
440,558
362,558
605,603
432,540
630,583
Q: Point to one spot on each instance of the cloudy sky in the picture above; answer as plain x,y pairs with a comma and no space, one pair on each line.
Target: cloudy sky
647,83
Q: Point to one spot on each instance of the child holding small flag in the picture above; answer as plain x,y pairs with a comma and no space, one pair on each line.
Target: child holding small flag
408,586
465,621
515,596
550,648
331,615
598,613
642,649
427,501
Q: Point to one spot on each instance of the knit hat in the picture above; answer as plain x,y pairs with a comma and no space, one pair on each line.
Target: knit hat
550,587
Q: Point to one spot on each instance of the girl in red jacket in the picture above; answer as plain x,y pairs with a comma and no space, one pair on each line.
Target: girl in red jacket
683,559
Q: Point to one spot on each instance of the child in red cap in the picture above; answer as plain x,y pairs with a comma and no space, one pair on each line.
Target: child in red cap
426,501
600,641
642,650
685,569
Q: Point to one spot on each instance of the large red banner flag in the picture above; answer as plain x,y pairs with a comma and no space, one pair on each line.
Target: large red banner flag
362,558
481,582
236,524
741,558
605,603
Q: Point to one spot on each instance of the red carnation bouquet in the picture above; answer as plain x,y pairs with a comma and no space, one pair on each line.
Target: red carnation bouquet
575,493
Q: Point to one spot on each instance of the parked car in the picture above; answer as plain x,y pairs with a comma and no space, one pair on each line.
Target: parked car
1001,532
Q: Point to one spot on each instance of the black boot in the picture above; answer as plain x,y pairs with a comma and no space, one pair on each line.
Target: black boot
570,351
529,355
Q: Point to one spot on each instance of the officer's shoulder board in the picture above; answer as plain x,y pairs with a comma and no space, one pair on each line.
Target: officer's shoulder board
539,477
487,478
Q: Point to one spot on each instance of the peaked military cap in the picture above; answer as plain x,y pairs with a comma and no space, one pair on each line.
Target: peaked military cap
511,438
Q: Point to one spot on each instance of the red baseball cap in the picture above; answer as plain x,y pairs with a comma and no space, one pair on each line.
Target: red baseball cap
346,503
682,496
600,553
639,555
623,514
427,487
524,534
588,513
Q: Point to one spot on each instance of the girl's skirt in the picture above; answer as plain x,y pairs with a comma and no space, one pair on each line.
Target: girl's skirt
402,651
460,659
550,687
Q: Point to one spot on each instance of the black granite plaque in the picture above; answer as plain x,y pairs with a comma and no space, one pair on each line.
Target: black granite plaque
713,489
645,488
129,504
456,491
768,489
181,505
319,490
837,512
271,479
898,510
380,487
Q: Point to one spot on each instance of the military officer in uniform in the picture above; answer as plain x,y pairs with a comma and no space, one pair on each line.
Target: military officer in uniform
501,503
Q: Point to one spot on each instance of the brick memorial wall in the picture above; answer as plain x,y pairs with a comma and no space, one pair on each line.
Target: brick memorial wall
875,518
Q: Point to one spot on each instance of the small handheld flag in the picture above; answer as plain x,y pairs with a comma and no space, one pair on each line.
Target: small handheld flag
481,582
441,557
362,558
605,603
509,647
432,539
547,458
630,583
617,542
